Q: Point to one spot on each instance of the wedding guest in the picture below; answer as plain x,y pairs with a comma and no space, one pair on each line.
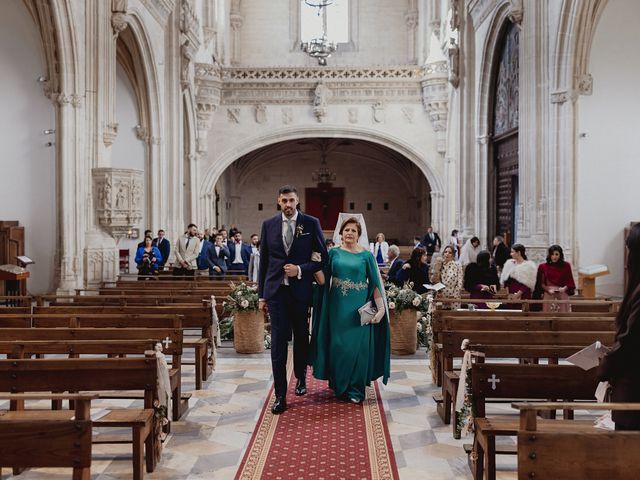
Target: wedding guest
148,258
207,235
240,254
254,242
620,366
448,272
469,251
380,249
481,278
395,266
555,281
147,233
346,353
519,274
164,246
217,257
205,245
225,235
415,271
254,263
500,252
431,241
329,244
416,242
187,249
456,243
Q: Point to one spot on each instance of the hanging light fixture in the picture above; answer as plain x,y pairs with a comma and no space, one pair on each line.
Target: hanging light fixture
320,48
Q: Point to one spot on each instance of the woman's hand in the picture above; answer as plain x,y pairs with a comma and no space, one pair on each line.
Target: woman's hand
406,266
484,288
377,318
316,257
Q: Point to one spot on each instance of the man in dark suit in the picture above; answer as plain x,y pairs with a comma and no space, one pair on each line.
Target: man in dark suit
205,245
147,233
240,254
395,266
164,246
431,241
217,257
285,287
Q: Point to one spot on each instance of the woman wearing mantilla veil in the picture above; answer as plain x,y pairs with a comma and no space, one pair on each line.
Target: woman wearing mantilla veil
344,352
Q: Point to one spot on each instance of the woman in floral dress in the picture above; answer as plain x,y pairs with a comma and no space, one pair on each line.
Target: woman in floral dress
450,274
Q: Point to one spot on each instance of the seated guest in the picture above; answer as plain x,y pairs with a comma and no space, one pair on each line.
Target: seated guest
416,242
148,258
240,255
329,244
217,257
415,270
555,281
205,245
254,264
519,274
481,279
164,246
448,272
380,249
469,251
395,266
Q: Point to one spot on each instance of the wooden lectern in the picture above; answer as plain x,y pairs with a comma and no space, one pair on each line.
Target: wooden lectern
13,279
587,279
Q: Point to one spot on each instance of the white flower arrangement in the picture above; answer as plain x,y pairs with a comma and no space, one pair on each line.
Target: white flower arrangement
243,297
392,305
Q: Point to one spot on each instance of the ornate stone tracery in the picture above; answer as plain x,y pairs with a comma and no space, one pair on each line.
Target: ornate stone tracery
118,199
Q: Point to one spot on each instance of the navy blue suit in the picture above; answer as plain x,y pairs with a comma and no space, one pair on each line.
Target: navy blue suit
245,254
289,305
394,271
165,249
202,261
215,260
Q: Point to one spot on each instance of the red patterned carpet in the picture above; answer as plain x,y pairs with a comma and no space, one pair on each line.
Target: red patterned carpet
320,437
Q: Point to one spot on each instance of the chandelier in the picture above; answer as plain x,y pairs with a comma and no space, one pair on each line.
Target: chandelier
323,174
319,48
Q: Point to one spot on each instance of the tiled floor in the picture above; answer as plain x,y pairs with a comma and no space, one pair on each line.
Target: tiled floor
210,440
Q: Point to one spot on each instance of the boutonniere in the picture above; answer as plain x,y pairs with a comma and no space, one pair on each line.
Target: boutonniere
299,230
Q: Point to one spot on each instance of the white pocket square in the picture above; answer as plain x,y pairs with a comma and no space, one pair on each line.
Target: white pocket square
303,234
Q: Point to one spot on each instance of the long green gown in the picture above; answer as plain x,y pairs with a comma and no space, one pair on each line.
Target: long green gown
347,354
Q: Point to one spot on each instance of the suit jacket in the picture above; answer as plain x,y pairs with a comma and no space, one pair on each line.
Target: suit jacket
245,254
215,260
188,253
308,238
429,244
203,263
394,271
165,249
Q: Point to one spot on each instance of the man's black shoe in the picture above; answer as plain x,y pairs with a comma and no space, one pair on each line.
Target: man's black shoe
279,406
301,387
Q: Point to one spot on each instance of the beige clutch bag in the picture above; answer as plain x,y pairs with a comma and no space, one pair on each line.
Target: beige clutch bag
367,312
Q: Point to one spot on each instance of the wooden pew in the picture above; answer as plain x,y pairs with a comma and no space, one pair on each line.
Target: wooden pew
22,343
8,301
120,300
26,442
193,317
452,341
524,382
578,451
94,375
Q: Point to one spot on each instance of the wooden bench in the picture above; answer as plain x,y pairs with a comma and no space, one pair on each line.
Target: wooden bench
194,317
578,451
94,375
451,349
524,382
63,443
22,343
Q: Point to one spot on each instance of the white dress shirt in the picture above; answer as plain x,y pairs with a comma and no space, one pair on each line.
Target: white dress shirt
238,257
285,226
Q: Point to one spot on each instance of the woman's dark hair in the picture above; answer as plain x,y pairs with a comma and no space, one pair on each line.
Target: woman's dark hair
633,283
450,247
518,247
353,220
416,257
147,238
475,240
416,275
552,250
454,233
483,259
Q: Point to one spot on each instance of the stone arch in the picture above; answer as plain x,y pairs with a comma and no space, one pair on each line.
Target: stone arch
225,159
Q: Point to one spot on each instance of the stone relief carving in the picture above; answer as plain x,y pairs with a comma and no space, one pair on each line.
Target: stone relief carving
118,203
353,115
320,100
454,7
454,63
119,22
516,11
100,265
141,133
407,113
233,115
287,115
378,112
110,133
261,113
585,84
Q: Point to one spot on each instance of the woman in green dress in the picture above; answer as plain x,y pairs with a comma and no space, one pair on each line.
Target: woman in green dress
344,352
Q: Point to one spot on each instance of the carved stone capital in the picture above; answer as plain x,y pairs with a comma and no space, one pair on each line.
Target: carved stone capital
411,19
141,133
435,94
208,84
236,21
110,133
516,11
119,22
584,84
118,194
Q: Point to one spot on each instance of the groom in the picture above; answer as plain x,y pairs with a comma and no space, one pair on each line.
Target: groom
284,286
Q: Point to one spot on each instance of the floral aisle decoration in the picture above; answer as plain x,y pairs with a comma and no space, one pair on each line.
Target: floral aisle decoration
463,403
404,298
242,299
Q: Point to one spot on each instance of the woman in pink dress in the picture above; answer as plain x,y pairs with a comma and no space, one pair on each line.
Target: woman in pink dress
555,281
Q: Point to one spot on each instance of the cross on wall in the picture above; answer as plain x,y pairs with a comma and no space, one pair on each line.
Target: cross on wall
493,380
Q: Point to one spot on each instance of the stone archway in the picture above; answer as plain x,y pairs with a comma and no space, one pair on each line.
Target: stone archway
223,161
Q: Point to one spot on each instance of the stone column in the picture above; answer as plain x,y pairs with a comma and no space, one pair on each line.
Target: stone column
236,20
411,21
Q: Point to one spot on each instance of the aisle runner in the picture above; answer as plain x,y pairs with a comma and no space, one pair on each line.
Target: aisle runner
320,437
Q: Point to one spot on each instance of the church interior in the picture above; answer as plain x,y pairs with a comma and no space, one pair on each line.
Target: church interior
513,120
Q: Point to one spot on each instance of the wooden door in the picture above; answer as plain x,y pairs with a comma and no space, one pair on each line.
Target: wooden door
325,203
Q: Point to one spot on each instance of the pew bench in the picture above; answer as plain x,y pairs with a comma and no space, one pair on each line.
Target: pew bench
574,452
26,442
93,375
